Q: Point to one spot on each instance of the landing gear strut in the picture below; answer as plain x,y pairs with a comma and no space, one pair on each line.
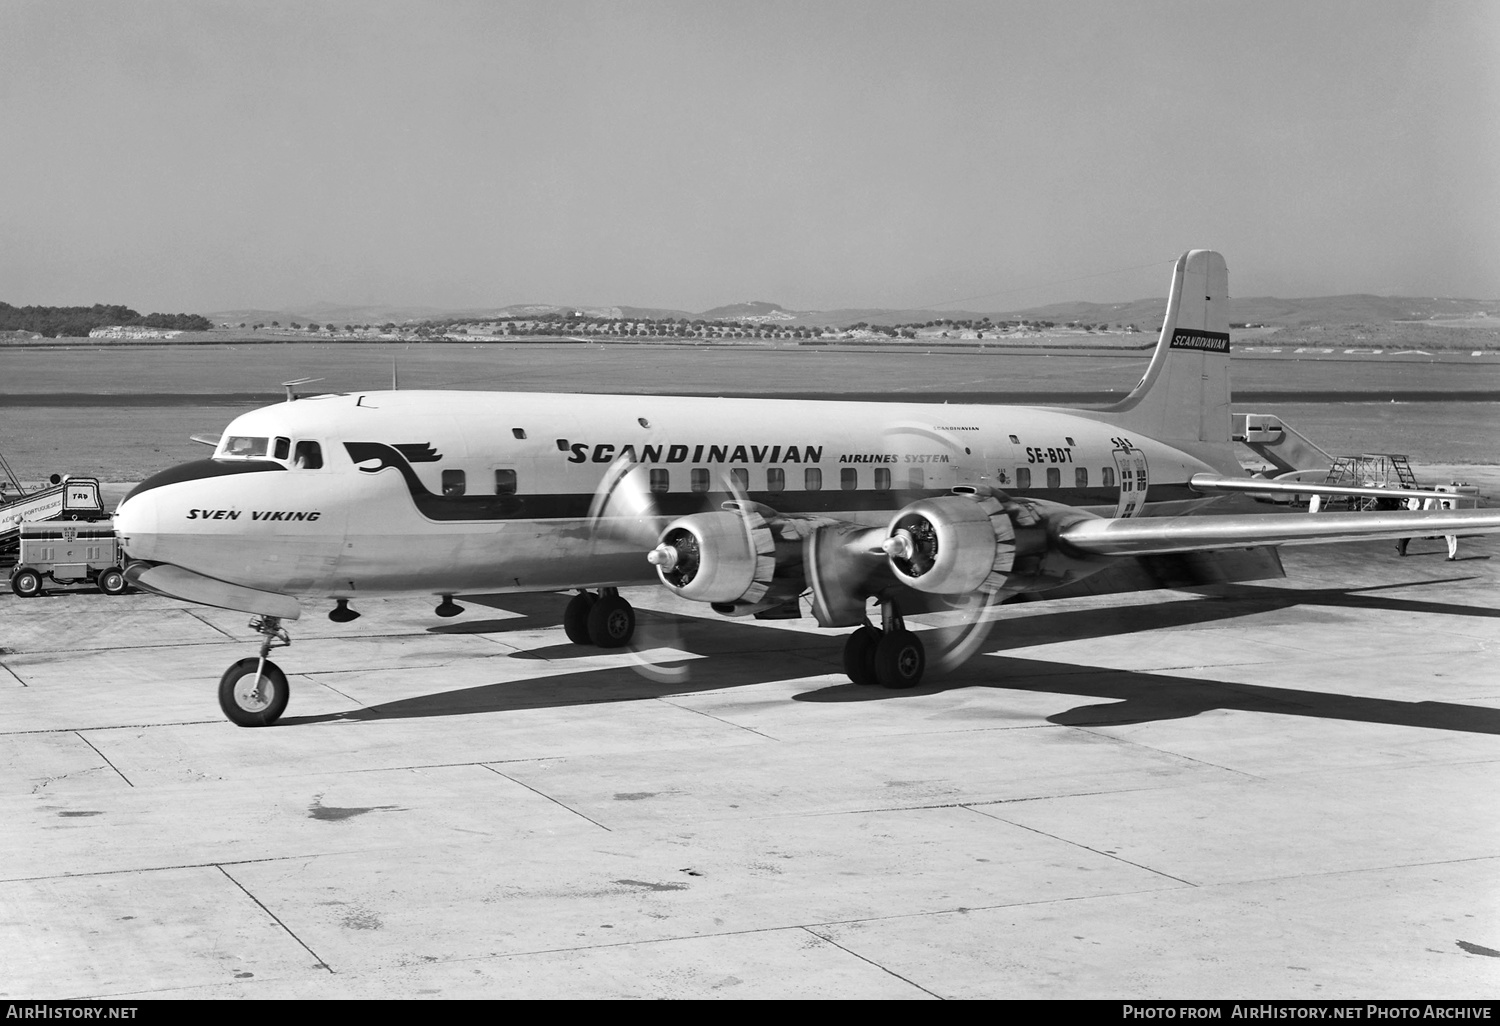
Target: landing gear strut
890,655
606,619
253,692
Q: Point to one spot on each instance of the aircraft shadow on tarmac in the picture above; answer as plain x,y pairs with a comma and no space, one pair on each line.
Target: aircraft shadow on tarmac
1126,696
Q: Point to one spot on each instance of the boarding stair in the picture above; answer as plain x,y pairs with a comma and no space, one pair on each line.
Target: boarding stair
62,498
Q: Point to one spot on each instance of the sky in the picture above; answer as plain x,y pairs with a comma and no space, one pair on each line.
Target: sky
198,156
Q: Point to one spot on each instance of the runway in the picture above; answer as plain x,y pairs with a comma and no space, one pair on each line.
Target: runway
1280,791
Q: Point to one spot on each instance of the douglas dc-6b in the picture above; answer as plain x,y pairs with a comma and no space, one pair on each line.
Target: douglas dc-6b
868,512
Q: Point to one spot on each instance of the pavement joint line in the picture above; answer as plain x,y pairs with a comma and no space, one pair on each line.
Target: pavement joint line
102,756
1095,730
321,964
666,700
1250,881
970,805
749,932
528,787
14,674
482,763
186,865
200,618
872,962
369,669
110,726
117,646
1085,847
322,684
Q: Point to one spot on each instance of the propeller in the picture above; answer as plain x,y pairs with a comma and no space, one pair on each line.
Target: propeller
626,513
931,461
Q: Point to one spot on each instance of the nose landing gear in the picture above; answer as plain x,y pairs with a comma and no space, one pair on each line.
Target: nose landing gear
253,692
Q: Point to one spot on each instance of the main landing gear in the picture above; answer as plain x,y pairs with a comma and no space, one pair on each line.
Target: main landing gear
604,619
253,692
889,655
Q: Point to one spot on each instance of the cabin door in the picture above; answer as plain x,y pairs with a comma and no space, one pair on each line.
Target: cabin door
1131,464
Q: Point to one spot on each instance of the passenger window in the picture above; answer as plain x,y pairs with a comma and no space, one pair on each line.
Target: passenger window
882,479
916,478
283,448
849,478
1054,477
1109,477
1081,477
453,482
1023,477
812,479
741,478
699,479
505,482
661,480
775,479
309,456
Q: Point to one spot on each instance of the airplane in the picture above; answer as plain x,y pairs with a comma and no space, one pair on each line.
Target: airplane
872,512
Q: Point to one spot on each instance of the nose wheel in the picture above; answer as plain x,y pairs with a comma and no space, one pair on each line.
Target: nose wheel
253,692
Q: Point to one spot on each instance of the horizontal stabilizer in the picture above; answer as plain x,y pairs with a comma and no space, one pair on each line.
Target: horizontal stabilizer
175,582
1152,535
1217,483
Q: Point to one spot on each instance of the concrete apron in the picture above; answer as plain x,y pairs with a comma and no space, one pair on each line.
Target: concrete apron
1282,791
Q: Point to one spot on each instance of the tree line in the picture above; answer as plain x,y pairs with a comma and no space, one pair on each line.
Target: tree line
53,321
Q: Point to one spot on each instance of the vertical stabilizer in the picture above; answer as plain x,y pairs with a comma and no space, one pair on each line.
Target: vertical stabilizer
1184,396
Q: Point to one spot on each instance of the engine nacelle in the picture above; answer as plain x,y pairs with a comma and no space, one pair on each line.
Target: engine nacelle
959,544
718,557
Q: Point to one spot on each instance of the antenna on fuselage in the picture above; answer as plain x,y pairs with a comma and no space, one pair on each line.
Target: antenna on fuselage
288,385
395,385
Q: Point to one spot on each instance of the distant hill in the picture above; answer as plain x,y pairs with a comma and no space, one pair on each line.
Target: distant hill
754,311
1145,313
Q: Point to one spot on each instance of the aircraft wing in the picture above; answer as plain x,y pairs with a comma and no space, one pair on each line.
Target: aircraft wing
1262,486
1153,535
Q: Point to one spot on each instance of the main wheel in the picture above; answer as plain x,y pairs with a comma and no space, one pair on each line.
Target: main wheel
576,617
900,660
859,655
611,622
26,583
247,705
112,581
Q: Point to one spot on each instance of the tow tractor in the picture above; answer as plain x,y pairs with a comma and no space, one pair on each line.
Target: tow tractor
59,532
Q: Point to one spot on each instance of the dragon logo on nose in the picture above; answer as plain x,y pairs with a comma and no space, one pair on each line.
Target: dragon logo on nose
375,457
399,456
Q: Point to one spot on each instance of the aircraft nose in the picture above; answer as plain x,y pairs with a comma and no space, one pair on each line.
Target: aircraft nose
139,517
136,521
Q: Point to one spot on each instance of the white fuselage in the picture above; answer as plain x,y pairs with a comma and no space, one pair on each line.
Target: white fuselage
465,491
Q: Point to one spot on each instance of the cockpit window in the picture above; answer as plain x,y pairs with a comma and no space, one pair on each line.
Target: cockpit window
283,448
243,445
309,456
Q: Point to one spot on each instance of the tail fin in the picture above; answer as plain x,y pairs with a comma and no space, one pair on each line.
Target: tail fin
1184,396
